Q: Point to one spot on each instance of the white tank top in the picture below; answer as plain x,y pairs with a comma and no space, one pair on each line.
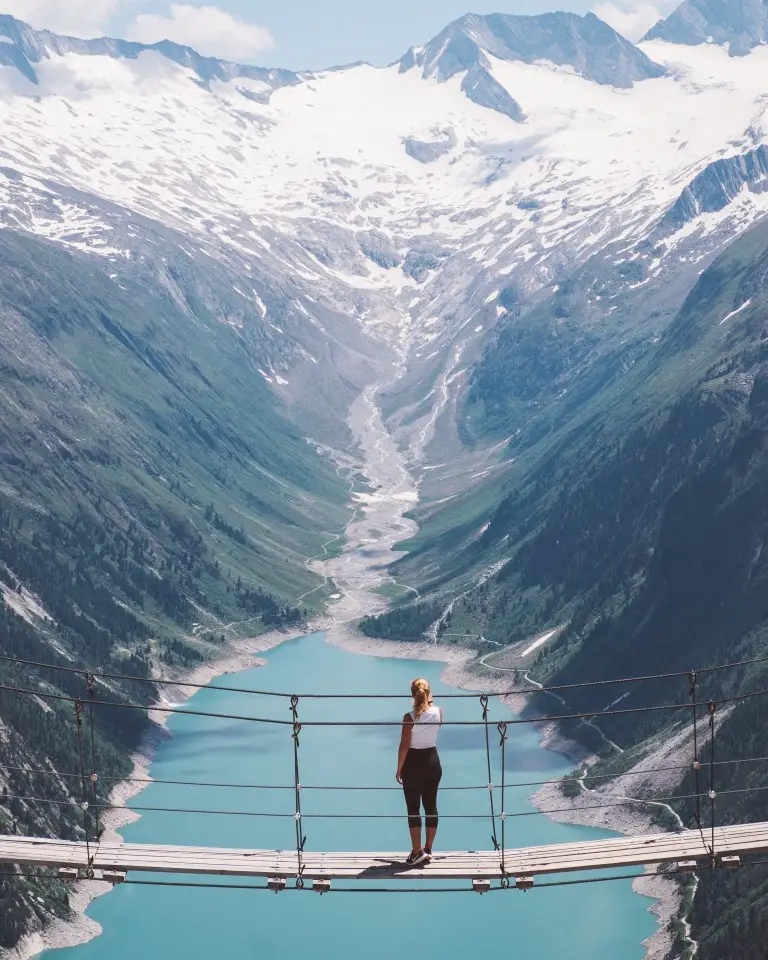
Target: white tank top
425,729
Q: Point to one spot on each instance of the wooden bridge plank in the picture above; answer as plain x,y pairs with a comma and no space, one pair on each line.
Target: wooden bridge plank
618,852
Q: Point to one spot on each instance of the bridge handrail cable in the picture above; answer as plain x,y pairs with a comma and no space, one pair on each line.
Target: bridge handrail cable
91,808
514,721
501,817
101,677
675,768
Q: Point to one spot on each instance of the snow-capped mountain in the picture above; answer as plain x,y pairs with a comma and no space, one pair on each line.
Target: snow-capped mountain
508,153
586,44
740,24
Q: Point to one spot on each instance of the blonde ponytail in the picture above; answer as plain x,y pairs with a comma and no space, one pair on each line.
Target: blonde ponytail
421,693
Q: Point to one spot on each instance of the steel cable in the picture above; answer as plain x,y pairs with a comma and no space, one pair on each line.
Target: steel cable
555,688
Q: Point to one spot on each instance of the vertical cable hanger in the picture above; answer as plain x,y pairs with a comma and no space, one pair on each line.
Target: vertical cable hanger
89,679
502,728
484,705
712,709
694,694
79,706
300,838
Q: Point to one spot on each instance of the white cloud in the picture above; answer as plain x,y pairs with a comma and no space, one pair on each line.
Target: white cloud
209,30
634,18
79,18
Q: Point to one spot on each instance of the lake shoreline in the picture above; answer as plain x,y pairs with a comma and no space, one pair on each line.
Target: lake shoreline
627,819
236,656
243,654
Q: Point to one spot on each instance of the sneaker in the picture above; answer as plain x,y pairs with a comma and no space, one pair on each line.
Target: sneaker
428,852
415,857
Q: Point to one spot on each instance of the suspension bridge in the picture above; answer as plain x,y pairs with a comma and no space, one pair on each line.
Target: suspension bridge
706,846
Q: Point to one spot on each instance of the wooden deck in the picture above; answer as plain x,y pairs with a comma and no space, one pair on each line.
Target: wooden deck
125,858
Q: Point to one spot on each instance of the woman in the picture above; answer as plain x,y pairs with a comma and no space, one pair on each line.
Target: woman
419,770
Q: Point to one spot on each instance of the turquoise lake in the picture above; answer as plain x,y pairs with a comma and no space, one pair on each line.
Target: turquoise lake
591,922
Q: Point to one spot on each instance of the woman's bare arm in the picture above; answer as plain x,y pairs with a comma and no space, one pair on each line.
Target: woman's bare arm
405,744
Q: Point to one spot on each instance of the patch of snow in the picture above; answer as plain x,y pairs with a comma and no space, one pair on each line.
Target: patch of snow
538,643
735,313
25,605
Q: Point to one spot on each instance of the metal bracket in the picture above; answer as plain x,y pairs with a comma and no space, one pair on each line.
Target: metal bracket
730,863
523,883
687,866
481,886
276,883
321,886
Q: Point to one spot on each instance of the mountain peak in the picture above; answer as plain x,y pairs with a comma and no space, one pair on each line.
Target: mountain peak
587,44
23,47
742,24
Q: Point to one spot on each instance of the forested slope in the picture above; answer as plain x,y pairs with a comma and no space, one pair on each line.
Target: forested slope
642,528
155,500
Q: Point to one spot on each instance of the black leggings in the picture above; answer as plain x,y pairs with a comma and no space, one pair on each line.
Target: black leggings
421,778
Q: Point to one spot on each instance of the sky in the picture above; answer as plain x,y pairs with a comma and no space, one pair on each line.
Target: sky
303,34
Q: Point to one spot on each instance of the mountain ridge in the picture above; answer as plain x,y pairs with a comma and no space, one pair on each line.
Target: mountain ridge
587,44
31,46
741,24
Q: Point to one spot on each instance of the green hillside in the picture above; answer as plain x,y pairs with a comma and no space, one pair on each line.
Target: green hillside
639,521
155,500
